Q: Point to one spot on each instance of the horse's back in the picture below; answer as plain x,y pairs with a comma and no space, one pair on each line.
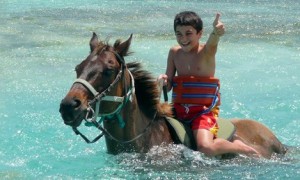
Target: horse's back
258,136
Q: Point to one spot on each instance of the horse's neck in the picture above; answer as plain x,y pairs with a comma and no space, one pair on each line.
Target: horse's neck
134,118
133,133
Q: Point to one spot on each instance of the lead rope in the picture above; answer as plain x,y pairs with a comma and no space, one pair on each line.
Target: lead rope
104,131
131,140
85,138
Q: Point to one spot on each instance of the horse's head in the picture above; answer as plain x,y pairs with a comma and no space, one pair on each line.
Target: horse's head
97,76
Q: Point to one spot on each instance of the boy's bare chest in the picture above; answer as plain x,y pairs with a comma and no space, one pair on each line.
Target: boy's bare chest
189,63
197,65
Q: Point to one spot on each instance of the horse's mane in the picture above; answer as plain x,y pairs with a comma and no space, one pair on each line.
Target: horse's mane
147,92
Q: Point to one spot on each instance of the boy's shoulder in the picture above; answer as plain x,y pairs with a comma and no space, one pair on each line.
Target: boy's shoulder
175,48
178,49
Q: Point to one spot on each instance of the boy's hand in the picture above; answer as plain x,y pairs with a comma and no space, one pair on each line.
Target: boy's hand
219,28
162,80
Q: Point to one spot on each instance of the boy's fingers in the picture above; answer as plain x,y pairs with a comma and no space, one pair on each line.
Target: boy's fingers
220,25
217,18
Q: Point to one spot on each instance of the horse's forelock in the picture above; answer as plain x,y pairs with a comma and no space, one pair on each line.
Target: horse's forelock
106,46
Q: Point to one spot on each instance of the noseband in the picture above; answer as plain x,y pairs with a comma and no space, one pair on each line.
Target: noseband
92,114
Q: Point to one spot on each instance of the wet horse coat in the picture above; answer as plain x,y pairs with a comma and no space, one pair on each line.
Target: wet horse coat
126,98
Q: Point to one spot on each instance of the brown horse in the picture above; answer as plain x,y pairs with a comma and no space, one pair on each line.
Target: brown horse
126,99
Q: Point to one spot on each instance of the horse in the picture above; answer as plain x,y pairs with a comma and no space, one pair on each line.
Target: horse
127,99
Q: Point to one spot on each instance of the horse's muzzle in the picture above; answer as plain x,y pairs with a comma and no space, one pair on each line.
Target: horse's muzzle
71,111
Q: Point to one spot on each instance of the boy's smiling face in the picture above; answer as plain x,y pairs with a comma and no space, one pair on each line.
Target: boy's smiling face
187,37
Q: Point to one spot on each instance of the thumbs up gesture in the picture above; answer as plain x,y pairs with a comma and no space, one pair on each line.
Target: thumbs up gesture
219,28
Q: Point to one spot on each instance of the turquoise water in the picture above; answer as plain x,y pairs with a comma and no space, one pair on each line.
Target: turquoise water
42,41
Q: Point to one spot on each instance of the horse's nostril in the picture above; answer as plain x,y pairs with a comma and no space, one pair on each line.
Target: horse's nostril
69,104
77,103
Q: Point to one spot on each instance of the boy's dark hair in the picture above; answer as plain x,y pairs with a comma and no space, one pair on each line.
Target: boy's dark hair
188,18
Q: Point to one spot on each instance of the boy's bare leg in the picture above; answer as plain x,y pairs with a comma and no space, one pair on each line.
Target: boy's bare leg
213,147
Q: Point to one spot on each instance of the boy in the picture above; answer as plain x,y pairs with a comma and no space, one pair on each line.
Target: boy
194,64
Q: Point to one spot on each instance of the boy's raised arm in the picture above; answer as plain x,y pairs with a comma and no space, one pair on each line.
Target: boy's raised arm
214,37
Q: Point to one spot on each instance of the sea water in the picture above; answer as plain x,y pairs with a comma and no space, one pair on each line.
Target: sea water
41,42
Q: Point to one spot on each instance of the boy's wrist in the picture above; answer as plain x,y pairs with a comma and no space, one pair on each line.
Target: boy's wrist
214,34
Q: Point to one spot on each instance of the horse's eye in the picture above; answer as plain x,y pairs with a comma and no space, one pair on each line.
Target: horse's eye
108,72
110,61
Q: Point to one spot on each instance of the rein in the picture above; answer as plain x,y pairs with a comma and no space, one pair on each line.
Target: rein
98,97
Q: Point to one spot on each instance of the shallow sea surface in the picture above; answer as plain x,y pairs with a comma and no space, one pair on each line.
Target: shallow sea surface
41,42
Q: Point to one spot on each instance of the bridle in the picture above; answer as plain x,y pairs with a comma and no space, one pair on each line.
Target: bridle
93,114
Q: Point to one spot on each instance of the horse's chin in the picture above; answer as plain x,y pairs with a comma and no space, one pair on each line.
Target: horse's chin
75,122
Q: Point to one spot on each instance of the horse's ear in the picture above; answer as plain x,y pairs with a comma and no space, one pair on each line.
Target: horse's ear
122,48
94,42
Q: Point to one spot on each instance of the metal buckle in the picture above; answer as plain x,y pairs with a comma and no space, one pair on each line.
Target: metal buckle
89,110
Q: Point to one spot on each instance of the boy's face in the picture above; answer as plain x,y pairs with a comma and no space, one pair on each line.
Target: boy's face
187,37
